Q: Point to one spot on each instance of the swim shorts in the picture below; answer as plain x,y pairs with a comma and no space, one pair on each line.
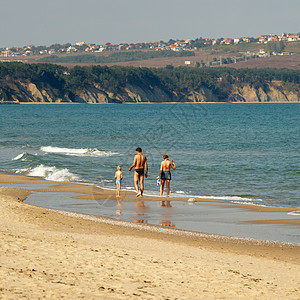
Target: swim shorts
165,175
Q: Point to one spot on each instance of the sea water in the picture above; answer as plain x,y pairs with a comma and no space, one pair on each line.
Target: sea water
243,153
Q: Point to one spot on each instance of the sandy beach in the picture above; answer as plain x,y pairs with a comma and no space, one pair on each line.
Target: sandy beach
49,254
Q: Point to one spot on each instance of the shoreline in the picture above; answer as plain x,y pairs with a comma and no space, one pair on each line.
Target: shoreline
20,195
131,103
85,188
60,187
48,253
87,191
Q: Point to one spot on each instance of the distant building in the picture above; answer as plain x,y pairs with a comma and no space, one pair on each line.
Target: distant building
80,44
262,53
227,41
207,41
180,44
268,38
263,39
293,38
237,40
28,53
282,38
101,49
6,53
71,49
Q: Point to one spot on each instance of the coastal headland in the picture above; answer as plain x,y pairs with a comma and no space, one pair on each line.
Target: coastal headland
50,83
50,254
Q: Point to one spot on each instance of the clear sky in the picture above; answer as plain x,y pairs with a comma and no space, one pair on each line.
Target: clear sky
45,22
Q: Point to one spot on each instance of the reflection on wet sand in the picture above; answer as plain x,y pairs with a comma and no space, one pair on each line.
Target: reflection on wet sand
142,220
166,221
120,207
141,217
167,224
166,203
142,212
139,212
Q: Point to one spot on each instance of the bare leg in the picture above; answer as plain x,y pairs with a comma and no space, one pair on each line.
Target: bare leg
142,184
136,182
162,184
118,190
168,187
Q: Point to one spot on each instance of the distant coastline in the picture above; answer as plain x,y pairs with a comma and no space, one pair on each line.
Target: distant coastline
150,103
50,83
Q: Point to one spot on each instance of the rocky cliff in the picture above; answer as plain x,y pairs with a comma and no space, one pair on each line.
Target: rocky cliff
28,92
273,93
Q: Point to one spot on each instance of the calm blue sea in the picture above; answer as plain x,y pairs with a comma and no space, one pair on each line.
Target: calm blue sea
246,153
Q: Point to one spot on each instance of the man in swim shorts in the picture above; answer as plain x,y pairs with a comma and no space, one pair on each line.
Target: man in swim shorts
140,171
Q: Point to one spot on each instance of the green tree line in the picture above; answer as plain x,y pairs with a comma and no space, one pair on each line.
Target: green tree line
115,57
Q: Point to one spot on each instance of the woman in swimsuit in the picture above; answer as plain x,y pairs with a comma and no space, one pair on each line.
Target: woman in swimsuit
165,174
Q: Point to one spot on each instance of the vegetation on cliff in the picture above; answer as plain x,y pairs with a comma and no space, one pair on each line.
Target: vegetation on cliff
69,84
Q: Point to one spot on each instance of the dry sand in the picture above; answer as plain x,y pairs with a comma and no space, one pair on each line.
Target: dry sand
45,254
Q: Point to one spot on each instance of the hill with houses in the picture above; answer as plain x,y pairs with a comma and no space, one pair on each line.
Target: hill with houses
206,51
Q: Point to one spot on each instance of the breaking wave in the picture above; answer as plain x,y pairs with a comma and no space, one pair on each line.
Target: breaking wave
26,157
51,173
78,152
19,156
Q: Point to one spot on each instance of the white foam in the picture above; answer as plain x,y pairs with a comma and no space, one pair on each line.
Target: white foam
78,152
247,203
19,156
53,173
294,213
232,198
21,171
180,192
192,200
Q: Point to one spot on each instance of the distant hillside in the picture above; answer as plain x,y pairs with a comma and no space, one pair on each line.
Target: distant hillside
115,57
244,55
278,62
51,83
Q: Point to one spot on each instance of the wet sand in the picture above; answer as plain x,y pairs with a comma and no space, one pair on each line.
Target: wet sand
279,221
49,254
96,193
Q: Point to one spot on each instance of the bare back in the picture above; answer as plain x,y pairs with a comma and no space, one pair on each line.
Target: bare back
139,161
165,165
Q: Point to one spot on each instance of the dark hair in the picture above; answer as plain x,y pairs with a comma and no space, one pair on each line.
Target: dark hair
139,149
165,156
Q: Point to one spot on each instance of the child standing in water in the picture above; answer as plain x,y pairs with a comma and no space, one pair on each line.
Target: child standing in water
118,177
